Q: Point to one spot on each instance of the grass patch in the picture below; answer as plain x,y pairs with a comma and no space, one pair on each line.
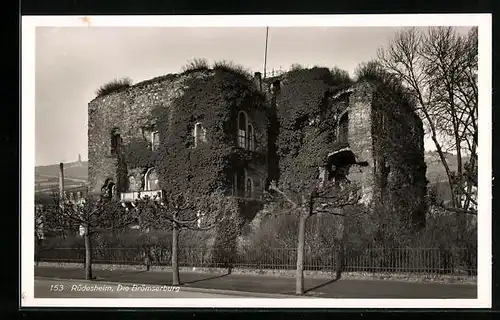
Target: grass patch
230,66
197,64
113,86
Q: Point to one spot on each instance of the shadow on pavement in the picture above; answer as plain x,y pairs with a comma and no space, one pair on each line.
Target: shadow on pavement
323,284
115,276
209,278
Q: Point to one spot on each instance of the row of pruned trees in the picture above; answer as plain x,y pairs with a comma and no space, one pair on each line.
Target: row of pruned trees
178,212
92,215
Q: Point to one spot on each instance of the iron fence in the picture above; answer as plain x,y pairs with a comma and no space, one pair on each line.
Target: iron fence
377,260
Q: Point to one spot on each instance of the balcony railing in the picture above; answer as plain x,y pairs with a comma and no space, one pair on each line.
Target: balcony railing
137,195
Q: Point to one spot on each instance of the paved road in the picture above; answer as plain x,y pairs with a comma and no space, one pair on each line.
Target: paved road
363,289
47,288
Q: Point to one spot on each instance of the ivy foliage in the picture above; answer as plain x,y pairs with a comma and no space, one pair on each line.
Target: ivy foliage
138,153
213,98
306,125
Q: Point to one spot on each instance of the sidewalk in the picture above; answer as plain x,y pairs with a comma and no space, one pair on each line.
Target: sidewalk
275,285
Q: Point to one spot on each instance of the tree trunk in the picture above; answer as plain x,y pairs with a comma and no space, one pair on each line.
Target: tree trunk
88,255
438,146
340,261
175,259
38,250
299,278
340,254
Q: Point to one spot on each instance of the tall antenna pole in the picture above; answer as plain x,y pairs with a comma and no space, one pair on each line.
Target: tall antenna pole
265,55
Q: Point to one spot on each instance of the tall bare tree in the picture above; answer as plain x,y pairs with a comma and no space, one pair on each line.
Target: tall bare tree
182,211
43,221
440,69
328,197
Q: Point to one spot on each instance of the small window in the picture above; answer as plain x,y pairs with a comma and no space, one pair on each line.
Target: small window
250,142
132,184
151,180
383,122
115,141
155,140
249,188
199,215
242,129
199,134
107,188
239,183
343,128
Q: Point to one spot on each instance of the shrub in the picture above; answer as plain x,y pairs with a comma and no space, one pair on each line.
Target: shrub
373,73
296,66
113,86
230,66
197,64
341,77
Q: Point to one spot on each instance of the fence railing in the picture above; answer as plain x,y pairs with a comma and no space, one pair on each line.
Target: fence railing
396,260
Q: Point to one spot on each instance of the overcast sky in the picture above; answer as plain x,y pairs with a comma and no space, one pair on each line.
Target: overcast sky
72,62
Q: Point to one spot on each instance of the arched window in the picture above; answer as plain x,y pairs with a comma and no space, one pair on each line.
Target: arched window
242,128
250,139
132,184
151,180
249,188
108,188
199,134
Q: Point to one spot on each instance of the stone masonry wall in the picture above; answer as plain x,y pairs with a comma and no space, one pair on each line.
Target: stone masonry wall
129,111
360,139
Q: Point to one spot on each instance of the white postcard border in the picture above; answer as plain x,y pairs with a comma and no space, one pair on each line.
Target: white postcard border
483,21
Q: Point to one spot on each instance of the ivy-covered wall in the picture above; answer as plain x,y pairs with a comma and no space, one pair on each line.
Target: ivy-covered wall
129,112
398,154
310,107
171,106
214,100
304,107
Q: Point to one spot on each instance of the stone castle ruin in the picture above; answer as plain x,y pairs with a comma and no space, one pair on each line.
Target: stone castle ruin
383,145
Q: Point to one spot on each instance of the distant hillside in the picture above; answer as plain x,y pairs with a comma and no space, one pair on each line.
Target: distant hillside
74,170
47,177
435,169
437,175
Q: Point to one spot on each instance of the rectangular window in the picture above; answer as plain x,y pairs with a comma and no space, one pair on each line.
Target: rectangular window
202,135
239,183
155,144
115,142
343,128
199,134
